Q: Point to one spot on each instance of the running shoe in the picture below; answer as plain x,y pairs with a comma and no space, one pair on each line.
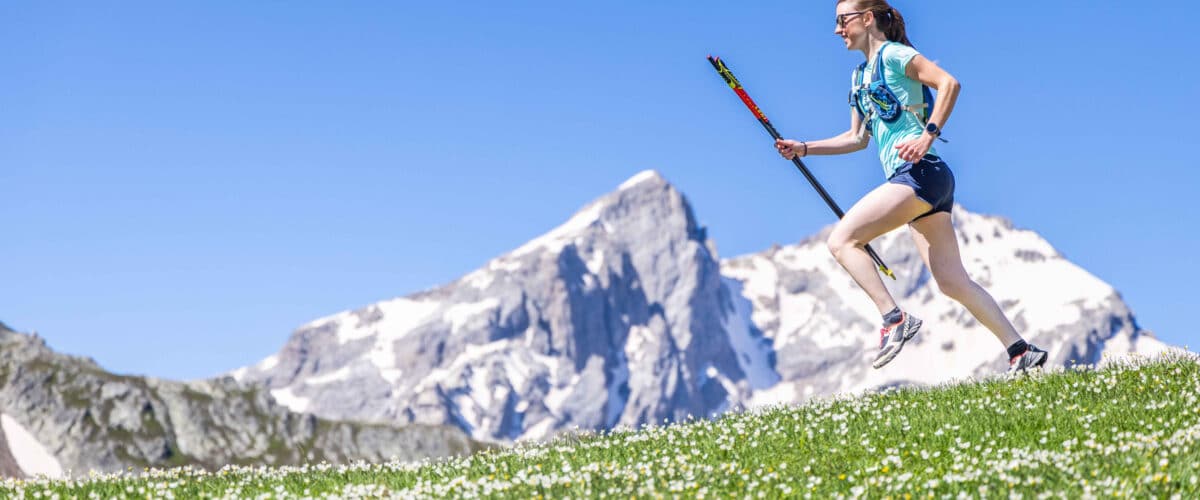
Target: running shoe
1031,358
893,337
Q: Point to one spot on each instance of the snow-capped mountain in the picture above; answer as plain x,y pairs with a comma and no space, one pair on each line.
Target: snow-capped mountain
619,316
625,316
823,327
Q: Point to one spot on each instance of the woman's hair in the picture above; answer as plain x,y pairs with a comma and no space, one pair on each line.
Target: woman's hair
891,23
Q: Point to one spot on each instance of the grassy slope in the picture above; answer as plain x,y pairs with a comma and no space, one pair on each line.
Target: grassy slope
1132,429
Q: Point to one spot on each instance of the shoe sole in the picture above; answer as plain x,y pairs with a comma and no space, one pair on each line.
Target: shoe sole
890,355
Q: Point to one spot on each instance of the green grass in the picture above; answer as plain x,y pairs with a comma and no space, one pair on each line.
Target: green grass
1131,429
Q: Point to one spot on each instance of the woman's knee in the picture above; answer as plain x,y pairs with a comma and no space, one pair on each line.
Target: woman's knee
839,240
954,286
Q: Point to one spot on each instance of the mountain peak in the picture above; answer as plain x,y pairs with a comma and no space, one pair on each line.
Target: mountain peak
618,315
645,203
645,176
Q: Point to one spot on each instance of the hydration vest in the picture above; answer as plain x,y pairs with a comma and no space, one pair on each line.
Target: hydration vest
878,99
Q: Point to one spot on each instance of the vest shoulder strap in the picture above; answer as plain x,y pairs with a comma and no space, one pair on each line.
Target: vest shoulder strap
855,84
879,65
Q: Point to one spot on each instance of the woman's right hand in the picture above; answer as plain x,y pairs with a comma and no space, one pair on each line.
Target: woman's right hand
790,149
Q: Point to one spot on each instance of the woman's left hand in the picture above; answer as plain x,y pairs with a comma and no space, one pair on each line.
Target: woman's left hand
914,150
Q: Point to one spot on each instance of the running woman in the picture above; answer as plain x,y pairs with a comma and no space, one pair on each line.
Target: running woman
887,103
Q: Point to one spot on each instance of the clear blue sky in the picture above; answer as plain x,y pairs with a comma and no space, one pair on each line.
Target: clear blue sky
184,183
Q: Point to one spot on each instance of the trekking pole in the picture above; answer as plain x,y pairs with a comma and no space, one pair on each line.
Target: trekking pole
723,70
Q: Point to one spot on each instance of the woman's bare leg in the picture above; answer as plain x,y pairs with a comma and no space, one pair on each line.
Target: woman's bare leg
935,240
885,208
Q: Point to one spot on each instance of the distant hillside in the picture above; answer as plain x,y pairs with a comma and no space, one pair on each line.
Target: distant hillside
84,418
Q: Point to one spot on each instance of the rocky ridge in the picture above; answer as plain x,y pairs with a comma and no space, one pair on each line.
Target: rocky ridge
90,419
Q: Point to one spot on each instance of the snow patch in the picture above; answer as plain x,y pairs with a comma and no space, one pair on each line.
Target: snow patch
286,397
460,314
589,215
340,374
502,264
31,456
519,374
752,354
265,365
480,279
595,262
483,278
268,363
618,378
1142,345
473,355
391,375
759,276
782,393
239,374
539,431
399,316
384,359
639,178
639,335
561,235
558,395
468,411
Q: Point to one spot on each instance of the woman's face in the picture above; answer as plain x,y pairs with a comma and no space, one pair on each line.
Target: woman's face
851,26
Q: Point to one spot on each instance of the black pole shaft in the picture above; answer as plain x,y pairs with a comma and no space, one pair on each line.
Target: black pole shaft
807,175
727,75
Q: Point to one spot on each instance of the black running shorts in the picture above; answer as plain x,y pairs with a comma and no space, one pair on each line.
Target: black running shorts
931,179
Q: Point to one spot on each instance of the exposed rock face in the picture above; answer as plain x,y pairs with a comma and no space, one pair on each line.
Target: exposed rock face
624,316
89,419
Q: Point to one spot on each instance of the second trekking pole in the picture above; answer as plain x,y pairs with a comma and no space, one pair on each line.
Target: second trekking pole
719,65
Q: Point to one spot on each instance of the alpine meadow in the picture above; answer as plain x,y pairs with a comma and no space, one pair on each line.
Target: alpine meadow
1130,429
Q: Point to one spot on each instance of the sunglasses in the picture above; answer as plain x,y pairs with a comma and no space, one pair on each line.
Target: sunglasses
842,18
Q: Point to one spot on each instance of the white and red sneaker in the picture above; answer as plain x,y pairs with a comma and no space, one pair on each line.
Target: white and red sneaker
893,337
1031,358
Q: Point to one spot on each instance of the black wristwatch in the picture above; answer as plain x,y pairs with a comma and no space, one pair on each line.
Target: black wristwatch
933,129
